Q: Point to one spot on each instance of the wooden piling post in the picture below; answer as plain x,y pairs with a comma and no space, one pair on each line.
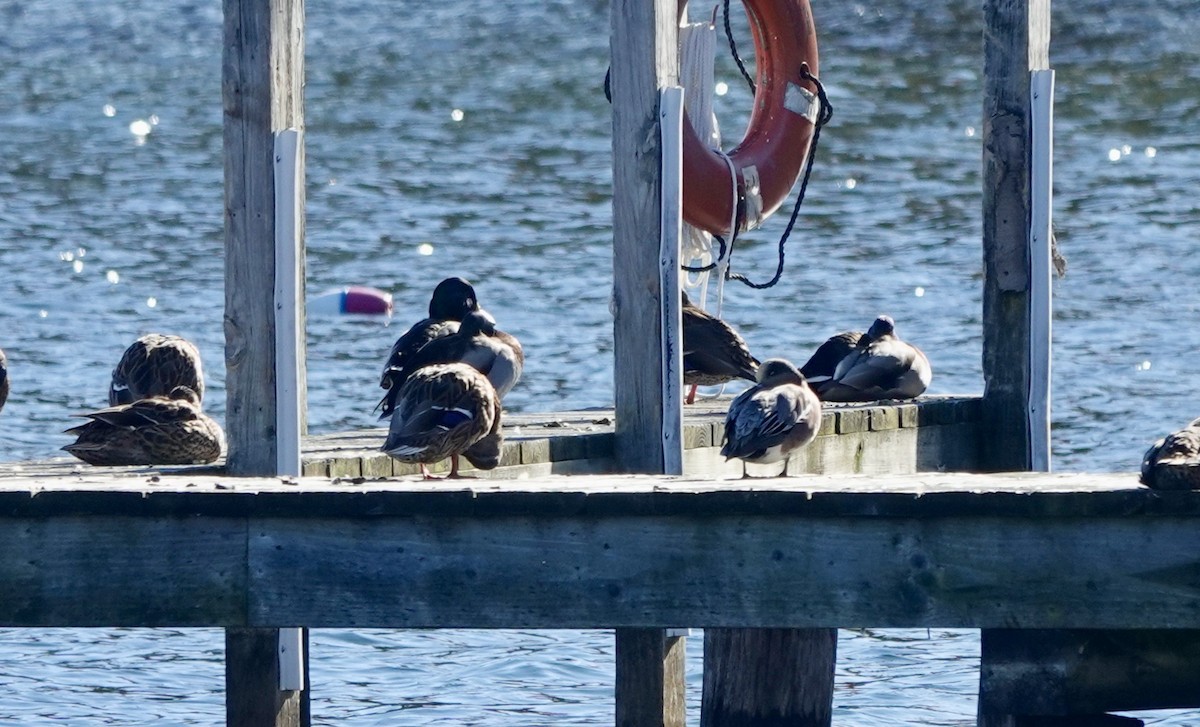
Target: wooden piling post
767,677
262,93
1016,43
649,664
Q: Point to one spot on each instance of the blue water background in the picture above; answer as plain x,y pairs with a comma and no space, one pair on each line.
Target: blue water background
106,234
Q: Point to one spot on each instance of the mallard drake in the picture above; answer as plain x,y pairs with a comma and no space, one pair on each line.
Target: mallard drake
445,410
152,366
713,353
881,366
495,354
1177,448
4,385
452,299
820,366
155,430
773,418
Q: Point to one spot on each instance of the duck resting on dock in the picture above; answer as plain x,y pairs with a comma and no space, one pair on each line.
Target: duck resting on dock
881,366
445,410
4,385
821,366
713,353
157,430
773,418
1180,452
154,365
452,299
477,342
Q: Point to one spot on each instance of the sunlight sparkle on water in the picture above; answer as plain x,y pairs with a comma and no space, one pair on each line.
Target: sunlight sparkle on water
919,292
1114,155
66,256
78,265
456,115
151,302
43,313
1151,152
110,110
721,88
850,183
112,277
1143,366
140,129
970,131
425,249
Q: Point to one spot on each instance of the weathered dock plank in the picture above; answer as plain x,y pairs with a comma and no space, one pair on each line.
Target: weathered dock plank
934,549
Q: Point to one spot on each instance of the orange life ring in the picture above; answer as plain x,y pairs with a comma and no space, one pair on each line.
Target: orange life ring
772,154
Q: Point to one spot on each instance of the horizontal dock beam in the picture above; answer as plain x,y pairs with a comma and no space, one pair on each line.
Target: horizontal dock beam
936,550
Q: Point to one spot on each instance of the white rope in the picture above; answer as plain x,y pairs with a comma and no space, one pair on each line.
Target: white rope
698,52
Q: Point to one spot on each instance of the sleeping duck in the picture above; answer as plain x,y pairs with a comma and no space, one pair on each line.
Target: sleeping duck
3,379
881,366
820,366
152,366
773,418
452,299
713,353
445,410
155,430
477,342
1177,448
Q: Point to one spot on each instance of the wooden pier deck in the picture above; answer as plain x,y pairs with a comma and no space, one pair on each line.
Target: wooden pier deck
1027,551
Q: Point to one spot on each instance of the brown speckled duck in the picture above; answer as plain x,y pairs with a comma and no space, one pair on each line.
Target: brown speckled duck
713,353
153,366
159,430
452,299
445,410
881,366
773,418
1177,448
494,353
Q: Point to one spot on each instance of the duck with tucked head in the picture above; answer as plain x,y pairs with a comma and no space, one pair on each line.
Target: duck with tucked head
445,410
158,430
823,363
713,353
773,418
452,299
477,343
153,366
1177,448
881,366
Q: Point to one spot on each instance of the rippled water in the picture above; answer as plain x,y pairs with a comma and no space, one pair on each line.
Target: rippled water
106,234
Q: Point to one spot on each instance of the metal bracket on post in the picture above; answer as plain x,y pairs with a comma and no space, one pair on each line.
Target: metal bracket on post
1041,265
288,299
670,117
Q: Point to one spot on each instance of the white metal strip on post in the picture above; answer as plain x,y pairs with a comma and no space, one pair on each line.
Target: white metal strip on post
288,289
670,120
1041,265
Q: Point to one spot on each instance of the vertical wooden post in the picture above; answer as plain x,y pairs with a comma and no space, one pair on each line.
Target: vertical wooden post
643,45
1016,42
262,89
643,42
767,677
647,662
262,93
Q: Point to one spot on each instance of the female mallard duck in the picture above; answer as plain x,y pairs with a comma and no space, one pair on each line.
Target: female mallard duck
445,410
156,430
3,379
881,366
495,354
773,418
713,353
1177,448
452,299
153,366
820,366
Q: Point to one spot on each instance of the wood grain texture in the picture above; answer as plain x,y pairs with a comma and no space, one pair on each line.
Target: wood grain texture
649,679
252,694
262,91
1016,40
644,60
768,677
